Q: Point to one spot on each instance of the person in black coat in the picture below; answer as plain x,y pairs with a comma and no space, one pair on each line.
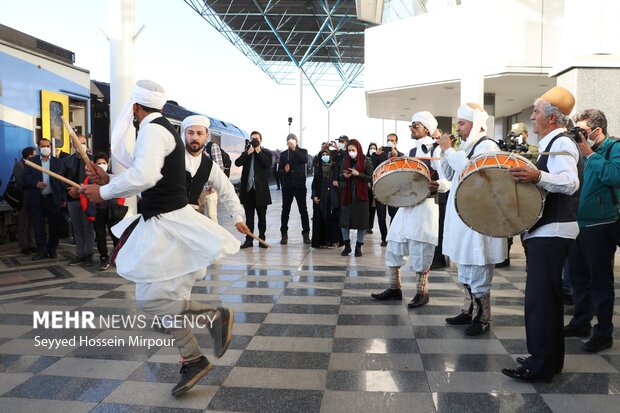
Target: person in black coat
372,207
292,171
325,202
46,196
254,188
25,225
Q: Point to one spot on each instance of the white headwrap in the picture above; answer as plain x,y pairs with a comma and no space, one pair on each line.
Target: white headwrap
426,119
478,117
194,120
147,93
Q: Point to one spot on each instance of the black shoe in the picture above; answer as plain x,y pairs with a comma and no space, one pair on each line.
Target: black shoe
262,245
347,249
521,360
52,255
191,373
598,343
505,263
76,261
477,328
222,331
389,294
567,299
247,244
523,374
384,243
438,264
573,331
358,249
418,301
284,239
104,263
39,257
460,320
306,238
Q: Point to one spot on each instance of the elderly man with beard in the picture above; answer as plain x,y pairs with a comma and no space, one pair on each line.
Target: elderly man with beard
475,254
414,231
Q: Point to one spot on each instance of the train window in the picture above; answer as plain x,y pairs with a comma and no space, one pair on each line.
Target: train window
37,130
56,126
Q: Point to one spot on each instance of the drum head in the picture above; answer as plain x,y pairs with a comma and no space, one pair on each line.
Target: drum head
402,188
492,203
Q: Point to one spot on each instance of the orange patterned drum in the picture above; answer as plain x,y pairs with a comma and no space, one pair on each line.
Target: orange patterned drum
491,202
401,182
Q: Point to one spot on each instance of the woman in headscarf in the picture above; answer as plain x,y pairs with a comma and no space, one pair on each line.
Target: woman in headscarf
325,202
355,174
372,149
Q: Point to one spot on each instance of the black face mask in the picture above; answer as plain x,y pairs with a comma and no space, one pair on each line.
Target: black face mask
255,143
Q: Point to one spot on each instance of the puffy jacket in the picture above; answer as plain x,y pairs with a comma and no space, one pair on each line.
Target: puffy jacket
595,201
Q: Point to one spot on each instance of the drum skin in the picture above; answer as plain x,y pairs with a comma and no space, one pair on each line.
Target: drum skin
401,182
491,202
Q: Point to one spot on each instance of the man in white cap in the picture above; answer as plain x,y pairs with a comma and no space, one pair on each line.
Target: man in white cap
475,254
164,255
550,239
204,172
414,231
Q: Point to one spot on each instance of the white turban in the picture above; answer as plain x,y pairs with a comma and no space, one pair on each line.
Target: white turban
194,120
147,93
478,116
426,119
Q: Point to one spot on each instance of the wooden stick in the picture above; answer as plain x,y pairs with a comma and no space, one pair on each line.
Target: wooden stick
76,141
258,239
52,174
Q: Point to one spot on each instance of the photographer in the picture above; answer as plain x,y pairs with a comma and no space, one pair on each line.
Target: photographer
591,258
292,169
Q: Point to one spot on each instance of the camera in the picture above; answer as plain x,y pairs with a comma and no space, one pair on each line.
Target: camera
573,133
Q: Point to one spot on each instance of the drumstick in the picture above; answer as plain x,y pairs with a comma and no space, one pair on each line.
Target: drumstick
76,141
52,174
258,239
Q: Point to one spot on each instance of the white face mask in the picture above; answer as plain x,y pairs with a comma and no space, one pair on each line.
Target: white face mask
45,151
340,145
353,155
390,144
103,166
591,142
372,151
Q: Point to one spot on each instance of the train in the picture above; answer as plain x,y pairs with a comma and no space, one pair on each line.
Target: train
39,83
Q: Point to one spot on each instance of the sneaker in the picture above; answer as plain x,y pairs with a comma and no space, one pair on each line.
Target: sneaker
222,331
460,320
418,301
598,343
191,373
574,331
389,294
76,261
104,263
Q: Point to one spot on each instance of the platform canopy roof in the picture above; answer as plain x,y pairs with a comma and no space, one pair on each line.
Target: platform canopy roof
322,38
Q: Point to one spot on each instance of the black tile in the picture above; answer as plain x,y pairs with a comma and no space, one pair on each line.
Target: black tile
404,381
14,363
170,373
437,332
508,301
321,278
67,301
259,284
202,289
582,383
269,272
496,402
305,309
365,286
16,319
257,299
141,353
89,286
368,300
126,295
613,359
435,310
508,320
245,317
466,362
313,292
373,320
367,273
323,268
240,399
284,359
237,343
519,346
375,345
296,330
124,408
64,388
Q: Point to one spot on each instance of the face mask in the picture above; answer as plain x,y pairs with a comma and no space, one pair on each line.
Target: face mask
353,155
590,141
390,144
340,145
372,151
325,158
45,151
103,166
255,143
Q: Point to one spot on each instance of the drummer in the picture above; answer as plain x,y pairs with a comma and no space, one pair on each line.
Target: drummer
414,230
474,253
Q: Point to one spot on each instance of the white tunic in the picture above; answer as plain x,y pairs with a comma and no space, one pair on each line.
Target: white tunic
172,244
420,222
461,243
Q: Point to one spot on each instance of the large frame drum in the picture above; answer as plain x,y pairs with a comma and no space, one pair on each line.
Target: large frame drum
491,202
401,182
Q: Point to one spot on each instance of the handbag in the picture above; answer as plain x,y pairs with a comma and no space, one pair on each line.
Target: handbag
13,195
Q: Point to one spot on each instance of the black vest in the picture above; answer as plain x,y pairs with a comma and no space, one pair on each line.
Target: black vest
558,207
169,193
427,162
471,153
197,182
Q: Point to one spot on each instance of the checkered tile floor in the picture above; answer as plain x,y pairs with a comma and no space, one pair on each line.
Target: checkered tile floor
307,338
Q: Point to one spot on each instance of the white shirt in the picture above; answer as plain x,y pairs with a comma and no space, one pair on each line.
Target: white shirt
46,178
145,171
562,178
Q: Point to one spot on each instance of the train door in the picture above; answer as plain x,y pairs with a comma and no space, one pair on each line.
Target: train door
53,106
